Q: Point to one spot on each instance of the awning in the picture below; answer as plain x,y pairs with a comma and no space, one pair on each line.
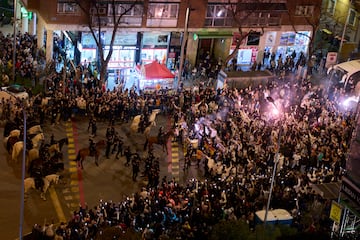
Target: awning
327,31
212,34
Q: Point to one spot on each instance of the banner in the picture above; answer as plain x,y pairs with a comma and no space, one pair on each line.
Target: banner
330,59
335,212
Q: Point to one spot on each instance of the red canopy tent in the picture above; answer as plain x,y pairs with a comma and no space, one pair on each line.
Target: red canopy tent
155,76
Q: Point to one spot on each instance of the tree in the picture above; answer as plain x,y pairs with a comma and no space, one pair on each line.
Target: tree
247,17
93,10
307,11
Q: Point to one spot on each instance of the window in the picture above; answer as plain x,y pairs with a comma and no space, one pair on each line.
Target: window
68,8
136,10
352,17
331,6
304,10
259,19
100,9
163,10
218,15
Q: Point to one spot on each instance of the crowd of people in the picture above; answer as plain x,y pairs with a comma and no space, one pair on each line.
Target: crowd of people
29,57
311,136
302,129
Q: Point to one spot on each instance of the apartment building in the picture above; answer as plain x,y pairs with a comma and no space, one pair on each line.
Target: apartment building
154,29
339,24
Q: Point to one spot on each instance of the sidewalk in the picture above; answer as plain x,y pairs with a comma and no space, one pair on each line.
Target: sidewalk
316,78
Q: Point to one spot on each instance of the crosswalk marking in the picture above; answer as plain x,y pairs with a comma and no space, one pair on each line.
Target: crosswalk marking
71,151
175,164
57,205
71,193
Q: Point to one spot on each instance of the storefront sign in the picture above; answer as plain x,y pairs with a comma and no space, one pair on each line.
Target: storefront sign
151,39
270,38
237,37
302,38
88,41
351,190
246,56
287,38
330,59
335,212
122,38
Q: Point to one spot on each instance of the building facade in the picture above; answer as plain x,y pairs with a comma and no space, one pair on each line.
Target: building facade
154,29
339,25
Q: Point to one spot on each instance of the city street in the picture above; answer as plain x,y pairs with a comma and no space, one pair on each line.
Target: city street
111,180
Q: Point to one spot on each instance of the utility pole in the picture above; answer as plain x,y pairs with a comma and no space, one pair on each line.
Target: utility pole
183,42
14,41
344,31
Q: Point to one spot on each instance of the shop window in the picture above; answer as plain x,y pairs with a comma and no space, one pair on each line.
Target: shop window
218,15
331,6
352,17
304,10
68,8
163,10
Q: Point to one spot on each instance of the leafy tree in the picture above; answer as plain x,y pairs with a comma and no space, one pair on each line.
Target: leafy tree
312,19
97,25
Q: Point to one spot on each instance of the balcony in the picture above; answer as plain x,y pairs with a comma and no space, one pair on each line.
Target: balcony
126,21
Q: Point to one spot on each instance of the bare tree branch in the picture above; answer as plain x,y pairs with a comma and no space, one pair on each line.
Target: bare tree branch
97,27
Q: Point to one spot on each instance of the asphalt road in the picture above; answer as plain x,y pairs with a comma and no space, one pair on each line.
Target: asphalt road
111,180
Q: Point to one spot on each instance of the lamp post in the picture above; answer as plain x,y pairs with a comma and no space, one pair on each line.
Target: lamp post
183,42
344,31
14,40
23,175
271,100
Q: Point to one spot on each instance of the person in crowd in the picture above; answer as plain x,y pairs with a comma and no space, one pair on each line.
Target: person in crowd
110,134
127,154
135,166
92,146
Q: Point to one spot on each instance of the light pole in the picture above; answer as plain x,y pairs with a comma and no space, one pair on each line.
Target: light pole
183,42
22,199
271,100
14,40
344,31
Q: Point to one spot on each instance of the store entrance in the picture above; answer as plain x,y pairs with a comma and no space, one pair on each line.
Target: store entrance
205,48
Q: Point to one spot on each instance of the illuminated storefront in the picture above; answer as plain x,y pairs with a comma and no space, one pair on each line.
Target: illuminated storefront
291,41
248,51
284,43
124,50
87,48
154,47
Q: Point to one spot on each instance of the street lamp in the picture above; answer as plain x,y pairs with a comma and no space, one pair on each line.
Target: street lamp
14,40
23,173
271,100
344,31
183,42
